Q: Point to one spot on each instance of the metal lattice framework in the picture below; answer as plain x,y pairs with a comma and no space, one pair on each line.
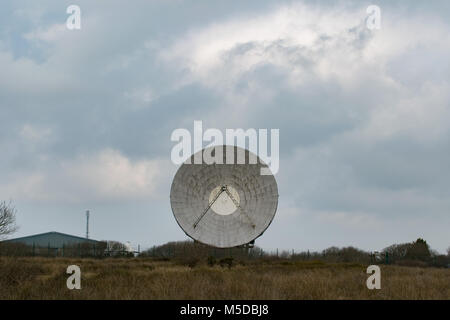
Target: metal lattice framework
224,205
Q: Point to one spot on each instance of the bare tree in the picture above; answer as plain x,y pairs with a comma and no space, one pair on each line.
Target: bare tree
7,219
448,251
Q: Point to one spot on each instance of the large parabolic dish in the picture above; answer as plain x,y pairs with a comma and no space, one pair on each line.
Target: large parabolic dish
224,205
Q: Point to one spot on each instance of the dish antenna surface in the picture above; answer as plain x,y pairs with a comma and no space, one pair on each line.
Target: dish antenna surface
224,205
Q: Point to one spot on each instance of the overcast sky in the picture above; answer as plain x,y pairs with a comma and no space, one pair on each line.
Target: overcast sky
364,115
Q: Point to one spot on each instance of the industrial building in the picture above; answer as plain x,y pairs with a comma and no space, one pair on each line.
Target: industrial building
59,244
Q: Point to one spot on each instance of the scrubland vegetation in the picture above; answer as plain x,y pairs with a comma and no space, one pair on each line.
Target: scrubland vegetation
185,270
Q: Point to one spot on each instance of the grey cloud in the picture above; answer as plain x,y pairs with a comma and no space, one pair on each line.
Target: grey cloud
335,163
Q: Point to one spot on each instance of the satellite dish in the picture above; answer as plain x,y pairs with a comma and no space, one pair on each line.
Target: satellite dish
224,205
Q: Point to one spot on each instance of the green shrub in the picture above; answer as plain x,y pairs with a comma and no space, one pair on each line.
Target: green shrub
211,261
226,262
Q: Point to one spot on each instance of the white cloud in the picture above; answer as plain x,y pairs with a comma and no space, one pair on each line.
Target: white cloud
35,134
110,174
105,176
311,45
50,34
224,51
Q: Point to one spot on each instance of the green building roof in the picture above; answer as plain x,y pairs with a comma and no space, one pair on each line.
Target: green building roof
52,239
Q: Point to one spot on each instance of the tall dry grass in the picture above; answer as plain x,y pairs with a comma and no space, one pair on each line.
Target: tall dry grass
45,278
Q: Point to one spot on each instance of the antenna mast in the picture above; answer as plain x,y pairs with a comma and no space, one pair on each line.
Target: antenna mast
87,224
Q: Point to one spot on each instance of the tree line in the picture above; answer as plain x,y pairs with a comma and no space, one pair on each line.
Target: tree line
416,253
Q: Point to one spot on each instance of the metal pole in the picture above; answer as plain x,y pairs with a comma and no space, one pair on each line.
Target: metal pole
87,224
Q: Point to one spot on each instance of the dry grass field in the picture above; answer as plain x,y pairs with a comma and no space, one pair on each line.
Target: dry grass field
45,278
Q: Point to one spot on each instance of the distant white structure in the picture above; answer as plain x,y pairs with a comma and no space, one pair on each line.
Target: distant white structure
128,247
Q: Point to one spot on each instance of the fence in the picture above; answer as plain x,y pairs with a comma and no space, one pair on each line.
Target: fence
70,250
